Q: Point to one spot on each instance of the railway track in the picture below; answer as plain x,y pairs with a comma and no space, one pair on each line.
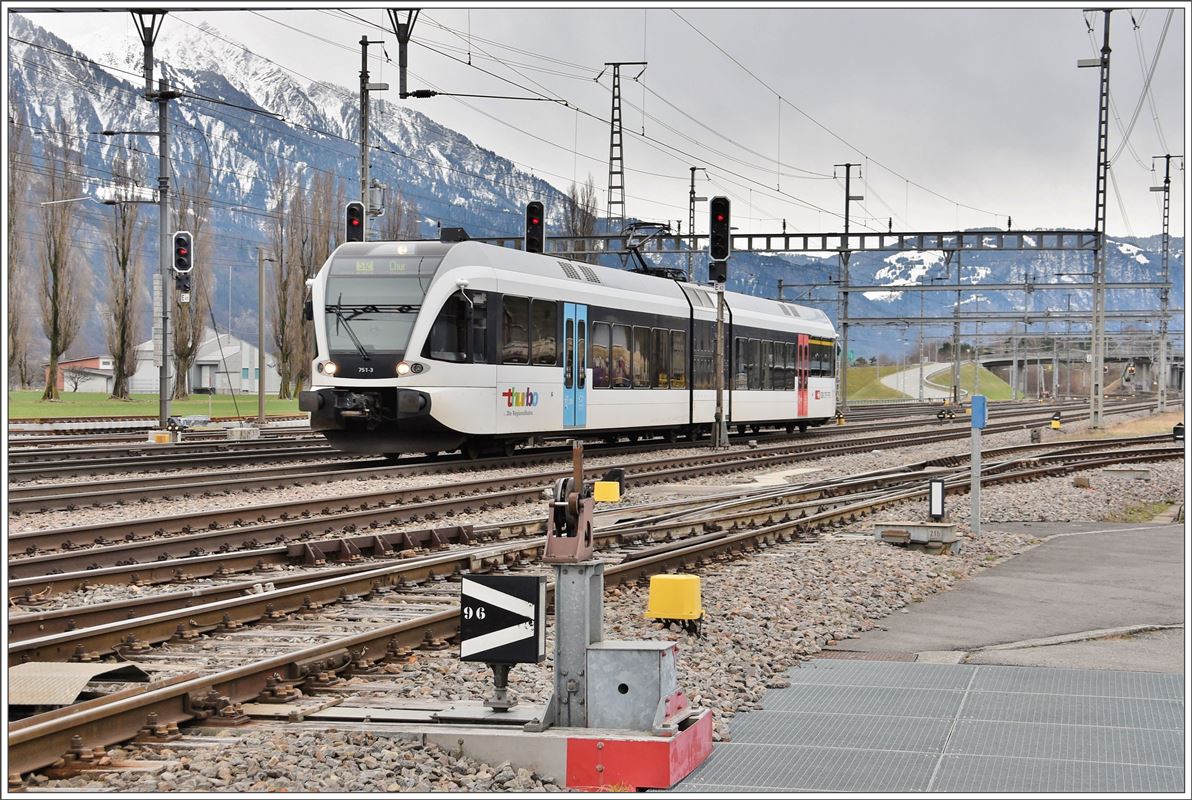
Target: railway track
140,488
349,623
80,463
125,542
171,548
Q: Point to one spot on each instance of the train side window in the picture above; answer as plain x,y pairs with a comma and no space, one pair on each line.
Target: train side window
755,364
776,366
678,370
619,357
641,358
701,346
600,331
479,327
581,352
448,339
790,366
515,330
544,328
661,340
767,365
740,364
568,352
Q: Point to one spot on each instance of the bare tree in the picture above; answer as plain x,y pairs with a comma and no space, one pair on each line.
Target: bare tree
579,213
18,319
74,377
318,235
400,220
282,189
124,281
193,207
61,313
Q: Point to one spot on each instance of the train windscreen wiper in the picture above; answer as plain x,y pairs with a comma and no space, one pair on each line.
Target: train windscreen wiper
343,320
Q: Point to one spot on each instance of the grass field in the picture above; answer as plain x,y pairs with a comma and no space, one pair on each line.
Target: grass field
988,384
29,405
864,383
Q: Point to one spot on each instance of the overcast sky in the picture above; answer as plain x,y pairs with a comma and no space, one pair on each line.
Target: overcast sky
985,107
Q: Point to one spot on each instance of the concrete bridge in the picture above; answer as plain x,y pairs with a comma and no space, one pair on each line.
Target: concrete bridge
1028,371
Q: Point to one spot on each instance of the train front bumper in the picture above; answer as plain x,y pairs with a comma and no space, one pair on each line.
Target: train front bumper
345,409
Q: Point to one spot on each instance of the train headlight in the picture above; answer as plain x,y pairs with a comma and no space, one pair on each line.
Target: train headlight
404,368
328,368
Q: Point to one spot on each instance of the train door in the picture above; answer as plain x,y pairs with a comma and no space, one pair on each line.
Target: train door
575,365
802,366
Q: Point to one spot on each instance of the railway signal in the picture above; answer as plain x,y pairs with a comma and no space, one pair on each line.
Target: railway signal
183,253
183,264
355,222
720,240
535,228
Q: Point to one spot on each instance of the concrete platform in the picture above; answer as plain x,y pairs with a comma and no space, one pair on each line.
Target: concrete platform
1083,577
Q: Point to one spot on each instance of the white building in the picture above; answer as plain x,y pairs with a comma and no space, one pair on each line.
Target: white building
223,364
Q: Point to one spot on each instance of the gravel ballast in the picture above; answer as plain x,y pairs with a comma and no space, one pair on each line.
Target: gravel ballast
765,613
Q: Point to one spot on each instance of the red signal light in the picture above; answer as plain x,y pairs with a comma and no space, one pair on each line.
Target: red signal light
535,221
182,251
720,217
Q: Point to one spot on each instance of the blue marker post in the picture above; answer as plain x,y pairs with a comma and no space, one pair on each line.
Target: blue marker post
979,416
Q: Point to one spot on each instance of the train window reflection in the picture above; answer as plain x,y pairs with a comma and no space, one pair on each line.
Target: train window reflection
600,331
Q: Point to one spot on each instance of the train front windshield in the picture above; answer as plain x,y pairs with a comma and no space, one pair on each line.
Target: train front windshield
372,302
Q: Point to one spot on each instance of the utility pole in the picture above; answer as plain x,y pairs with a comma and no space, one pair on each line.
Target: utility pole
1068,344
1096,390
403,31
845,253
691,201
260,337
365,88
616,150
148,24
955,330
1164,292
1014,360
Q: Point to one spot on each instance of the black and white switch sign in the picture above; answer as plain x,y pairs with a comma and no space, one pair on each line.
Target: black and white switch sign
502,619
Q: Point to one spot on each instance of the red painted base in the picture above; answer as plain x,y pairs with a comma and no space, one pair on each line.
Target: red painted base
649,762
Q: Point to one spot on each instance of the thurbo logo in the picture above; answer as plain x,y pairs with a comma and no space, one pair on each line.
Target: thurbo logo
515,399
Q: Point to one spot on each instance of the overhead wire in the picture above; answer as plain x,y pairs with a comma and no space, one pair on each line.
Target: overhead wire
823,127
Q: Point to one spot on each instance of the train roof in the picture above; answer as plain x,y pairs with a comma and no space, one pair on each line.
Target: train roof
458,254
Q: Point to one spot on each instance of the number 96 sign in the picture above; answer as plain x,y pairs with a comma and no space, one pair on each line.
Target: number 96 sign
502,619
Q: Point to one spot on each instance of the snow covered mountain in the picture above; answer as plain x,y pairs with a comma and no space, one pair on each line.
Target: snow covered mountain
452,180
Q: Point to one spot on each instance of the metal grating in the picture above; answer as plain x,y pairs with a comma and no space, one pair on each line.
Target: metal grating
922,734
569,271
761,767
1143,746
874,726
980,773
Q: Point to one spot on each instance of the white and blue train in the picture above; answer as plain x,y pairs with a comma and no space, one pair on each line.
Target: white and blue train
430,346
